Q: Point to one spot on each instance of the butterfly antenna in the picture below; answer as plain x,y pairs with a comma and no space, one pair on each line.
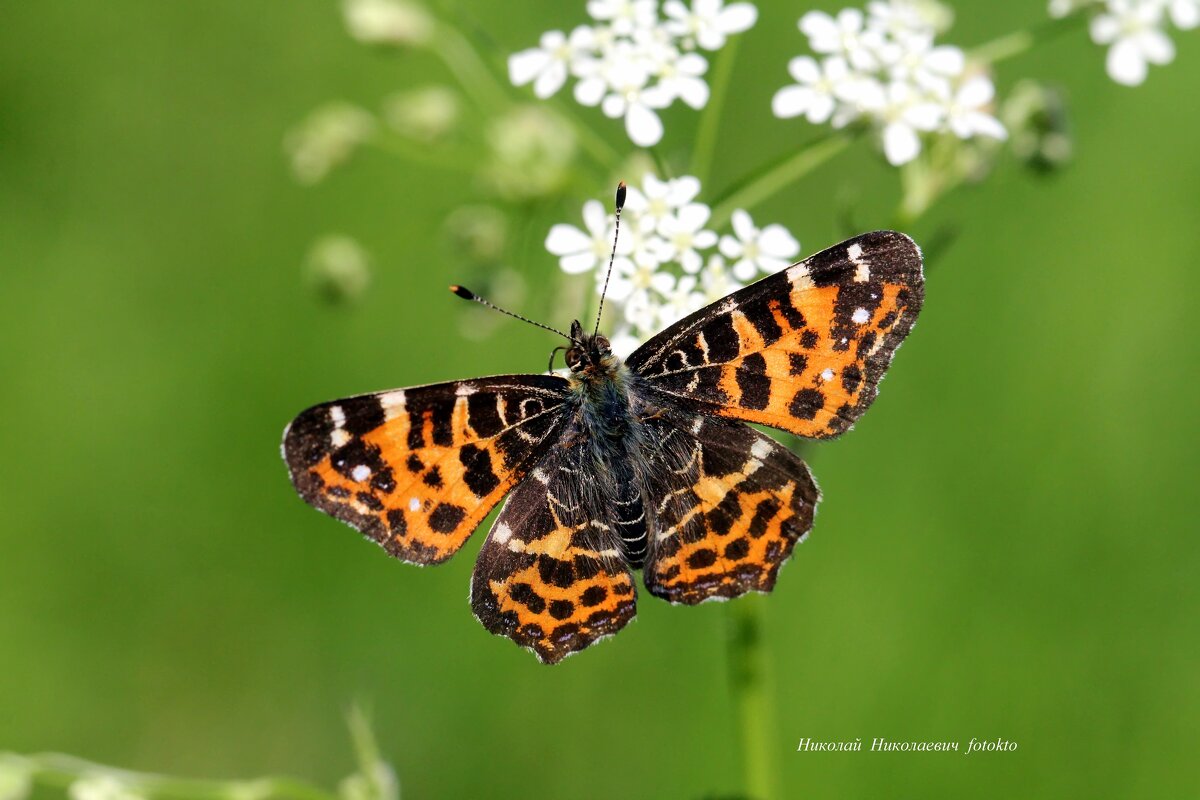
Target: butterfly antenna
612,256
467,294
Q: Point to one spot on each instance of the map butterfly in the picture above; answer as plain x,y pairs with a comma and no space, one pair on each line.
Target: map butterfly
642,464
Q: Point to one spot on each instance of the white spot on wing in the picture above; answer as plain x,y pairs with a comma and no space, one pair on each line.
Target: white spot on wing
337,415
502,533
465,389
414,504
540,476
760,449
860,316
360,473
855,253
827,375
339,437
392,403
800,277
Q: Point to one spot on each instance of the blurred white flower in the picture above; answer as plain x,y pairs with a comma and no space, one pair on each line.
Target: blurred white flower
1133,30
904,114
716,280
16,778
708,22
326,139
886,67
393,22
1184,13
657,200
633,63
843,35
818,88
101,787
684,235
668,264
625,16
548,64
628,97
753,250
967,112
578,250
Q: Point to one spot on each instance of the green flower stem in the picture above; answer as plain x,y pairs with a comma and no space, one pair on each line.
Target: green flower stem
1018,42
710,121
56,769
605,156
749,687
461,59
660,163
777,176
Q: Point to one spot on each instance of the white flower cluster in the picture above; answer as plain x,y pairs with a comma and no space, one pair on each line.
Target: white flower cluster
634,62
1135,32
668,263
884,66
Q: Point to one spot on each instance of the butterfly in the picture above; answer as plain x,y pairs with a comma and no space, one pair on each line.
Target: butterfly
645,463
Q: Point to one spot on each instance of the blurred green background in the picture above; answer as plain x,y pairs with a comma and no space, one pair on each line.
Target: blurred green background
1007,546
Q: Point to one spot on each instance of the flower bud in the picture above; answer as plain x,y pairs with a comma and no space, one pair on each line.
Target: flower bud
1036,116
387,22
326,139
338,269
532,150
427,115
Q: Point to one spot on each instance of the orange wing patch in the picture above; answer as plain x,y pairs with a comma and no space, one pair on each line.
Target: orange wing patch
418,469
548,577
739,506
802,350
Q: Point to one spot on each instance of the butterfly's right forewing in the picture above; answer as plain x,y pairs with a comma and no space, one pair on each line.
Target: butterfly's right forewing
418,469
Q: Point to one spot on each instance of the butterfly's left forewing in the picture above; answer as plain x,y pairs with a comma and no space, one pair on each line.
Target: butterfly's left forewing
418,469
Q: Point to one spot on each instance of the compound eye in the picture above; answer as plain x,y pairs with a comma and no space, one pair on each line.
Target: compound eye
573,357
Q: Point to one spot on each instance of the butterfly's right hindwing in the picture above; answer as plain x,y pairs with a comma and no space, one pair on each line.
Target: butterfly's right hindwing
418,469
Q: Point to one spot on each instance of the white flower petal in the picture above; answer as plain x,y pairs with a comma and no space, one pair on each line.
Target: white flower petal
644,127
551,80
1157,47
804,69
693,216
525,66
976,92
577,263
792,101
693,91
737,18
1125,63
744,270
900,143
777,241
565,239
743,225
590,91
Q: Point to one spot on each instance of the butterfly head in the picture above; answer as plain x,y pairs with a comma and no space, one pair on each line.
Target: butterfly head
588,353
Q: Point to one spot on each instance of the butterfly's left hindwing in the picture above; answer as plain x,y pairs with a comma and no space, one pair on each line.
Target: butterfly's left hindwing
803,349
728,516
418,469
549,576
